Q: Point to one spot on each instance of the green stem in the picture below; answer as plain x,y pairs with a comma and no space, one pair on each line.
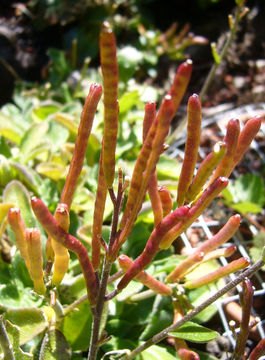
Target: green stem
163,334
5,343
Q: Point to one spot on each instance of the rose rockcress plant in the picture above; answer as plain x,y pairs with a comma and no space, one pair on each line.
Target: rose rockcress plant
194,195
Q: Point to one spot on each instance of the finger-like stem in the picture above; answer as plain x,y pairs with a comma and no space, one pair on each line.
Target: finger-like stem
165,198
152,246
164,333
33,238
149,281
230,140
163,120
61,255
109,67
196,210
19,228
258,351
99,208
246,303
204,170
223,235
84,130
51,226
230,268
191,147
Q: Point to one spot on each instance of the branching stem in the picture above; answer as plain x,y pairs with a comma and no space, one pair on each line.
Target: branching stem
163,334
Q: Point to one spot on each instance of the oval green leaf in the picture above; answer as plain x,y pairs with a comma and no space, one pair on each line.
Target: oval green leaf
194,332
54,347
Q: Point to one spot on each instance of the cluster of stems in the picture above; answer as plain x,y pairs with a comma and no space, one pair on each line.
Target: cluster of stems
194,194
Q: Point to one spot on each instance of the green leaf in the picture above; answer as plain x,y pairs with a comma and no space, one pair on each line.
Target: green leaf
246,194
168,168
30,321
10,129
156,352
258,244
133,288
76,327
128,100
54,347
161,317
16,193
43,111
32,138
194,332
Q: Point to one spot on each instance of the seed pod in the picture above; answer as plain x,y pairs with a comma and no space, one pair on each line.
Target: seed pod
165,199
19,228
84,130
98,216
232,267
191,147
51,226
184,266
61,258
157,286
205,169
195,211
152,245
109,67
33,239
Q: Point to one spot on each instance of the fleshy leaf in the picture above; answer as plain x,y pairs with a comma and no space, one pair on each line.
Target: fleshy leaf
194,332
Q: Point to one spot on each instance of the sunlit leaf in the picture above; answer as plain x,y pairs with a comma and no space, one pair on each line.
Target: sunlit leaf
194,332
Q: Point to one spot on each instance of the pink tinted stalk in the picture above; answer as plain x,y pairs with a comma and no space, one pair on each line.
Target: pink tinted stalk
149,281
187,354
223,235
164,118
245,138
191,147
109,67
152,245
230,268
195,211
53,229
231,138
84,130
18,226
205,169
258,351
246,300
180,83
98,216
225,252
165,198
150,114
140,166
